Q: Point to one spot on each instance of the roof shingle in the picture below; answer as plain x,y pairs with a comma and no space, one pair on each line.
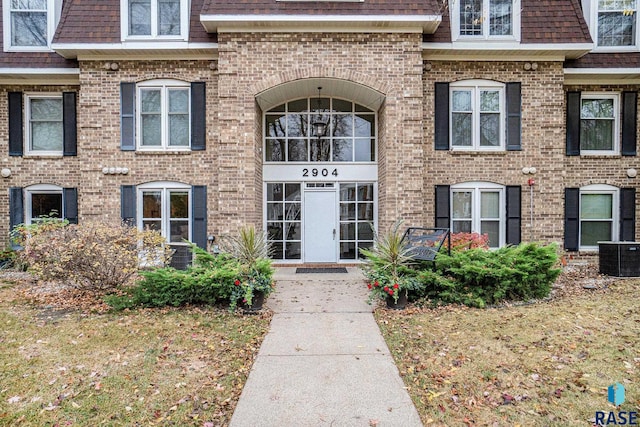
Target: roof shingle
368,7
542,21
32,59
98,21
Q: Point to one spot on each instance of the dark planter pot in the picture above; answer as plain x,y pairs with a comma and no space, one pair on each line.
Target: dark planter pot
256,303
400,305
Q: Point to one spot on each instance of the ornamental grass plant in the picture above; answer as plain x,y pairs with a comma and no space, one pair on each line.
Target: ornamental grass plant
388,265
252,249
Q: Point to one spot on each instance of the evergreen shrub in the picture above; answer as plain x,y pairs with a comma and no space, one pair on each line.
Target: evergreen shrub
479,277
208,280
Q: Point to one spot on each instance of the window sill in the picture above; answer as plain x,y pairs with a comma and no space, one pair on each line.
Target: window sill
615,49
43,156
600,156
27,49
162,152
475,153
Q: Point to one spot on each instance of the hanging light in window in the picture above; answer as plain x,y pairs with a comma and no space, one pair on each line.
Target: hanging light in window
319,127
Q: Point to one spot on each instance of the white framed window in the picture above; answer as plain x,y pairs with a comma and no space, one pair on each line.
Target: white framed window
615,23
599,215
29,25
156,19
478,207
163,115
485,19
477,115
44,133
42,200
166,208
599,123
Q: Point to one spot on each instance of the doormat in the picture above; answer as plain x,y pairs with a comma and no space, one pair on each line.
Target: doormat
321,270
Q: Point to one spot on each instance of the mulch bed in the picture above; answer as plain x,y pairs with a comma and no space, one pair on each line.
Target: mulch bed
574,280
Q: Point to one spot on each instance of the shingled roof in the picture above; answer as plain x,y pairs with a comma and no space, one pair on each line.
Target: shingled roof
542,21
553,21
98,21
32,59
606,60
368,7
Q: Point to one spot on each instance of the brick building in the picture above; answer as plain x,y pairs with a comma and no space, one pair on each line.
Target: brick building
313,120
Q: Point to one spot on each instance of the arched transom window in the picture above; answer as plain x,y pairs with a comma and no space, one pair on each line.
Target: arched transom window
320,130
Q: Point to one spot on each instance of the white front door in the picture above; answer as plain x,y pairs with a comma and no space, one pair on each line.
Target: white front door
320,228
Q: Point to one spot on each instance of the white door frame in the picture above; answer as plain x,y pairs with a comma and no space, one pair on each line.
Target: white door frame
325,242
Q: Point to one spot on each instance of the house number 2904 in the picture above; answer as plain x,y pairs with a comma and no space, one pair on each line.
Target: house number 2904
319,172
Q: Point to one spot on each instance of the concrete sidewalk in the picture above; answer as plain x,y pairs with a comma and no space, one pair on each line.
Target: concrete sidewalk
323,362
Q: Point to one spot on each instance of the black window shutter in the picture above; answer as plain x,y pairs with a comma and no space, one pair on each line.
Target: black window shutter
628,214
573,123
16,213
70,208
629,123
198,116
127,116
69,124
16,207
199,215
128,204
441,116
442,207
514,214
16,142
571,218
514,114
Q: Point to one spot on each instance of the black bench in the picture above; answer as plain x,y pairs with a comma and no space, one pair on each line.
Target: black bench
425,243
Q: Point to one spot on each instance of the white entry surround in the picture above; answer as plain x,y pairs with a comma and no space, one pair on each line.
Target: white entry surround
337,205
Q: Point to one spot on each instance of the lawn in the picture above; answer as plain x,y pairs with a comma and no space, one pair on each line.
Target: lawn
543,364
182,367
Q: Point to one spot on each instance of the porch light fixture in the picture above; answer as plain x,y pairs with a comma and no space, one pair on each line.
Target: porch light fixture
319,127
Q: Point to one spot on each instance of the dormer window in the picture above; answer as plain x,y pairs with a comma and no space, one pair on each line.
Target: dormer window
29,25
486,19
617,23
165,19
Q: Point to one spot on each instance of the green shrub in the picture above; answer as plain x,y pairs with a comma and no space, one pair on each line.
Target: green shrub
208,280
478,277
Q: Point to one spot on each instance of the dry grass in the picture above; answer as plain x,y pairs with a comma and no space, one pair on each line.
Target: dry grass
544,364
149,367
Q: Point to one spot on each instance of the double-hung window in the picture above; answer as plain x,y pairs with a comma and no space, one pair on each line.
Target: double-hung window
44,133
477,115
478,208
598,215
617,23
486,19
29,24
599,123
165,208
166,19
164,116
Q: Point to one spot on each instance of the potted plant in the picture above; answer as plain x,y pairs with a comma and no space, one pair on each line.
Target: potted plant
255,281
388,268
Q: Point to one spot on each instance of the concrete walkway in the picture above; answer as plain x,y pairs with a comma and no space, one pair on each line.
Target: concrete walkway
323,362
